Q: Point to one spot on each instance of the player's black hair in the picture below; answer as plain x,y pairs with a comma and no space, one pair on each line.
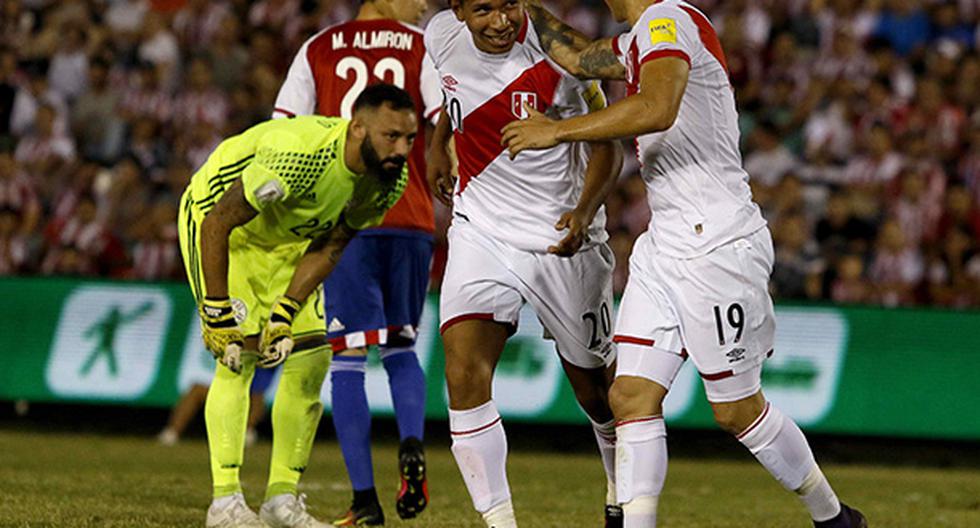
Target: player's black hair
378,94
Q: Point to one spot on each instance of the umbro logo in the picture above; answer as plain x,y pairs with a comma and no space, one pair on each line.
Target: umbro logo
449,83
335,325
736,354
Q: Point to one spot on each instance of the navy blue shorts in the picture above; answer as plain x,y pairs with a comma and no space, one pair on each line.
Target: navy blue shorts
376,293
262,380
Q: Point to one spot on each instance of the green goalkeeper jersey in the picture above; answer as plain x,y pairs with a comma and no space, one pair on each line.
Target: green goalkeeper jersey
294,175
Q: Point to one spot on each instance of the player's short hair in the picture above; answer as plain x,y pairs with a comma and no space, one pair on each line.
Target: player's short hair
378,94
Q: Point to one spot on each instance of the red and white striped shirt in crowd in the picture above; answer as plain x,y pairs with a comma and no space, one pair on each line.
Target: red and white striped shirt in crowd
35,149
868,170
209,106
897,272
13,254
156,259
152,102
196,27
17,193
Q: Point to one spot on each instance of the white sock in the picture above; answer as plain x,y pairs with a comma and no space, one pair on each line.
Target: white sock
780,446
818,496
500,516
641,467
605,437
640,512
480,449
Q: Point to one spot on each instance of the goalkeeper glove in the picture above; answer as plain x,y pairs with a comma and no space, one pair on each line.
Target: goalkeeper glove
222,336
277,337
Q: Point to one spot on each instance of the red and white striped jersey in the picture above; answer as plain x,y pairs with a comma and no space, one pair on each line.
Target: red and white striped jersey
335,65
516,201
696,187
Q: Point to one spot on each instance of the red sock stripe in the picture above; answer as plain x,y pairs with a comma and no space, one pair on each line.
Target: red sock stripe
765,412
640,420
477,430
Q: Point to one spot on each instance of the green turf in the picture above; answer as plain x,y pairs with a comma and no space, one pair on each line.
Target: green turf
109,481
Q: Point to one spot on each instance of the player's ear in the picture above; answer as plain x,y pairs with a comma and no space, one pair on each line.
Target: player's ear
457,7
358,129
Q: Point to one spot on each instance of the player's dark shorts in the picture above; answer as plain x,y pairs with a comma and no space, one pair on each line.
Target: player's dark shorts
376,293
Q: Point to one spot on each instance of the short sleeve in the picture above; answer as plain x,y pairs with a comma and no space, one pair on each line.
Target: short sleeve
283,166
664,31
372,200
297,96
431,89
619,45
439,32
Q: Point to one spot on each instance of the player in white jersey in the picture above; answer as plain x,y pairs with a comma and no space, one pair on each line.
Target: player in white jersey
505,247
699,276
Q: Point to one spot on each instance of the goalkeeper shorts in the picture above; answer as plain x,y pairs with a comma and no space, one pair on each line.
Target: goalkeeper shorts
257,276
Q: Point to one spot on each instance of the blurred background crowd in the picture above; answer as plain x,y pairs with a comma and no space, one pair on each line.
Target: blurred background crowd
860,130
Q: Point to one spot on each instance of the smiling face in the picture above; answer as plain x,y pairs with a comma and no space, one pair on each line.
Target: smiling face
494,24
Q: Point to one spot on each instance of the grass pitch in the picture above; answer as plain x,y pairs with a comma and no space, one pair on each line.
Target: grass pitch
87,480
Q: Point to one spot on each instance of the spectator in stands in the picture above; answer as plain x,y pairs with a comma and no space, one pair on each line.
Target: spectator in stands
951,275
94,116
17,194
155,254
849,284
897,267
46,151
798,267
14,250
769,159
68,73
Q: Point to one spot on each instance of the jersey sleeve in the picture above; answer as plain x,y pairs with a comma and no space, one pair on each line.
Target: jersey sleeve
620,45
372,200
297,96
431,89
283,166
663,31
439,34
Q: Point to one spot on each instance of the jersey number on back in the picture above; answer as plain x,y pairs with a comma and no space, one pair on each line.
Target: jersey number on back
360,68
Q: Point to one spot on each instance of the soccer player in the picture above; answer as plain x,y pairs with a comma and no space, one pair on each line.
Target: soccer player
699,275
376,294
517,235
262,224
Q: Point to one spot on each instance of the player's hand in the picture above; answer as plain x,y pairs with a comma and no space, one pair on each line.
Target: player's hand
276,341
536,132
439,173
222,336
577,223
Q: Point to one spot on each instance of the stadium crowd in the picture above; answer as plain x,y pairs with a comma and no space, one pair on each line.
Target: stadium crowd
860,129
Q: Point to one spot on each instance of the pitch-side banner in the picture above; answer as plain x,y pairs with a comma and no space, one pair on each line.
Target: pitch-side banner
855,370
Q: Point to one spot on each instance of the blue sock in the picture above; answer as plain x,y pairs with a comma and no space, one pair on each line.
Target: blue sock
352,418
407,383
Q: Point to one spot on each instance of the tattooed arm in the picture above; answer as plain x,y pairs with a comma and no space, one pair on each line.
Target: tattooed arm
581,56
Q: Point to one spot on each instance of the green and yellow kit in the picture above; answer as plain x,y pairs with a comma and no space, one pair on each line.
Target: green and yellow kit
293,173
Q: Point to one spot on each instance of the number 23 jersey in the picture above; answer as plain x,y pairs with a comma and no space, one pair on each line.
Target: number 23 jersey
334,66
515,201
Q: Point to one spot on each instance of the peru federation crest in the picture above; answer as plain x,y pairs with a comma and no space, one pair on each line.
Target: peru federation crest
517,101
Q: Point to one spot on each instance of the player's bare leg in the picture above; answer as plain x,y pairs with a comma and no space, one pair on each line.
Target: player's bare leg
591,387
182,414
473,348
781,448
641,448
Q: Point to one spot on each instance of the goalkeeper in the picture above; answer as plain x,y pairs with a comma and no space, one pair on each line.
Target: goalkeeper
262,224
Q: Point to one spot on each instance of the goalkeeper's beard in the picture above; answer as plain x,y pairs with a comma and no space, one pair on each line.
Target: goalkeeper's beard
386,170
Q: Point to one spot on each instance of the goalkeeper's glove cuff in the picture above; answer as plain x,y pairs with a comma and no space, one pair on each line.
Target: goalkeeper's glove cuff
285,310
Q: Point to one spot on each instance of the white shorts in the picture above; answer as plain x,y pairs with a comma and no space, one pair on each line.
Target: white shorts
715,308
572,296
